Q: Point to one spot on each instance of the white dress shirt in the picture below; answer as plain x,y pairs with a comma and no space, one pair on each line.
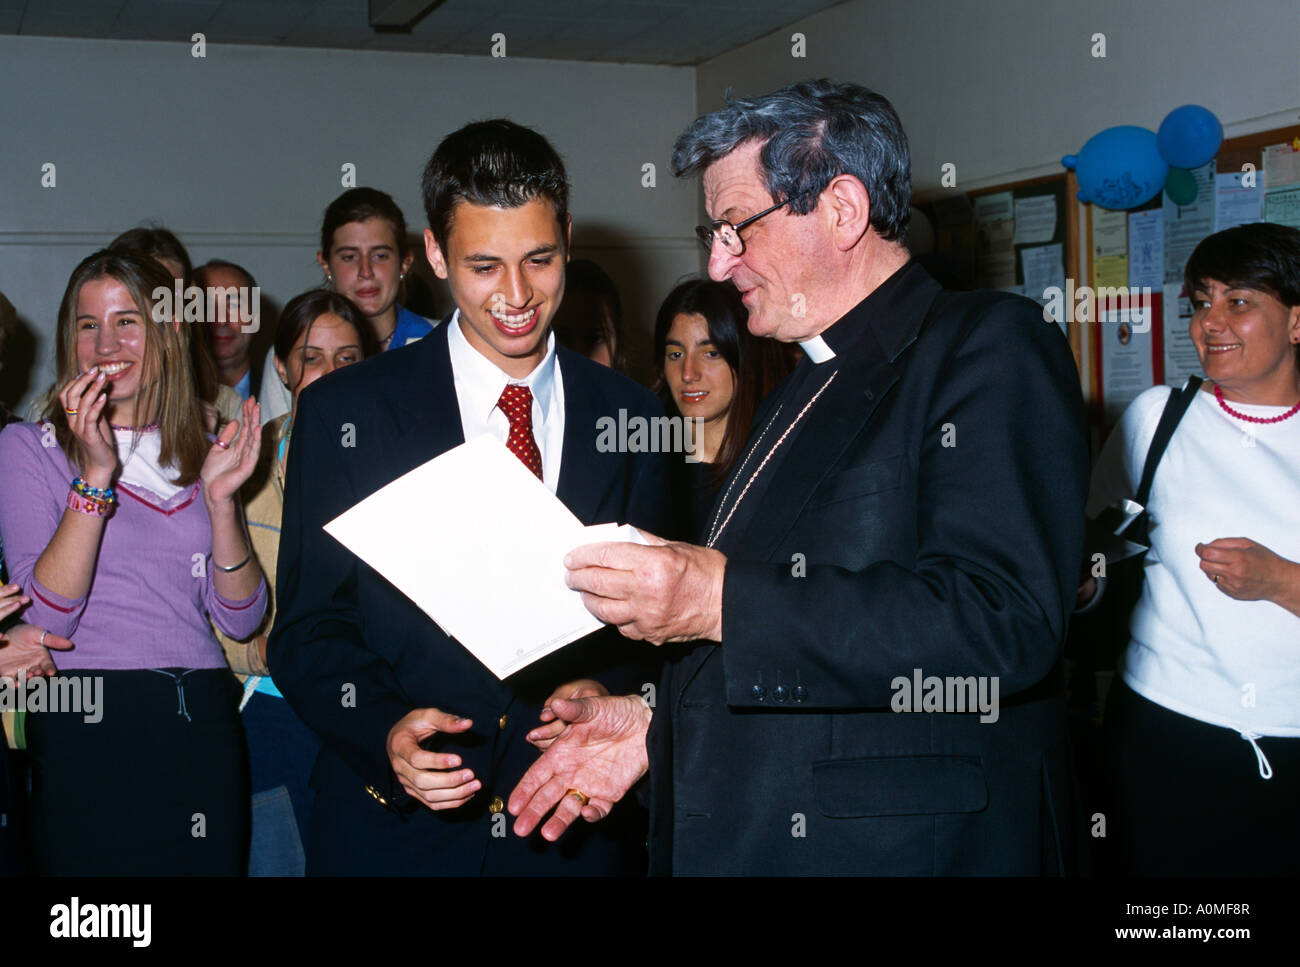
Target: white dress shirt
479,384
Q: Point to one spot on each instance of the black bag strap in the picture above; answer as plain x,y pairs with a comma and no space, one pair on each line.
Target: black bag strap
1175,407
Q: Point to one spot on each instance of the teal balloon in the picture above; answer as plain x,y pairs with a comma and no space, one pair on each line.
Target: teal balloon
1181,186
1189,136
1119,168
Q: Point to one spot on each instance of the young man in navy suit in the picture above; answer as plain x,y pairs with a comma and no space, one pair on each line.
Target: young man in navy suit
421,742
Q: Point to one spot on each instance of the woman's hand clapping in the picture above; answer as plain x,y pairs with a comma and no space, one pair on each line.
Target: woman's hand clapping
233,456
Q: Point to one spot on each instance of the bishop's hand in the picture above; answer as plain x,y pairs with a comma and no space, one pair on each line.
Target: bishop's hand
599,757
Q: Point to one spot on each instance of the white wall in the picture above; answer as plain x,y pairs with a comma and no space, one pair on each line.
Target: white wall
1004,88
240,152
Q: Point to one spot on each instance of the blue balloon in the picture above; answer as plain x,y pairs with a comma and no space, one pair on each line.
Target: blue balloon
1119,168
1189,136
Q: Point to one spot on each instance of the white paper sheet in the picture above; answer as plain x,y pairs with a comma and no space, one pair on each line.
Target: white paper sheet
1186,225
1126,364
1043,268
1234,204
1146,247
1035,219
478,543
994,208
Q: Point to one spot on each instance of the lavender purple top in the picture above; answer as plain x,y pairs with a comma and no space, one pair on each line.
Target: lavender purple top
153,587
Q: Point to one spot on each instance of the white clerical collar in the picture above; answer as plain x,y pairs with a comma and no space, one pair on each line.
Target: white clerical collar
817,349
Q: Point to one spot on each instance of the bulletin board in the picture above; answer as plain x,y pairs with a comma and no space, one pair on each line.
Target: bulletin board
1021,236
1135,263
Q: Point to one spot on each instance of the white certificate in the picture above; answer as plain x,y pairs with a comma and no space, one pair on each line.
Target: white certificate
478,543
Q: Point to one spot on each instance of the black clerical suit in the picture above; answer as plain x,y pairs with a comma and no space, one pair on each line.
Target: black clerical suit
353,655
925,513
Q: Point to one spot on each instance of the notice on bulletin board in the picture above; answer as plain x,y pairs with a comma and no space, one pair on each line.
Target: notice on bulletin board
1043,268
1109,248
1234,203
1282,205
1146,249
1281,165
1127,366
1035,220
1186,225
995,255
1181,358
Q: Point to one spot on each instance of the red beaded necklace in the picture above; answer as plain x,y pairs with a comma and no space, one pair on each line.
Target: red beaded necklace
1218,395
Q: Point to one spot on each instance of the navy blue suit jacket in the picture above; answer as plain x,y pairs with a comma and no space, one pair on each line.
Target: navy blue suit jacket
344,632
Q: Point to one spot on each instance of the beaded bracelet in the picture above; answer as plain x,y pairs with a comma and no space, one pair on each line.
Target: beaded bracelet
93,506
86,490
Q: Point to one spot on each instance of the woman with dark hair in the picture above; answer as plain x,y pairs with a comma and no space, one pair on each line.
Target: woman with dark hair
1203,724
365,257
714,372
318,332
130,560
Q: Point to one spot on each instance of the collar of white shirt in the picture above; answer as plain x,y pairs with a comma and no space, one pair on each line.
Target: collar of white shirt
483,381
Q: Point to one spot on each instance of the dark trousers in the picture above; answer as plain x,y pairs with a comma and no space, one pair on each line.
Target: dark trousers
1187,798
12,798
281,752
157,787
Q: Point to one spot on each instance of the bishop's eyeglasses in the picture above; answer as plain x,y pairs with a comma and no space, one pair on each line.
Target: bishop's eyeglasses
728,235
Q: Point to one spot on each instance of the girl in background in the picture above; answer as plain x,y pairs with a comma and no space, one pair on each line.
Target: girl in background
365,257
711,369
318,332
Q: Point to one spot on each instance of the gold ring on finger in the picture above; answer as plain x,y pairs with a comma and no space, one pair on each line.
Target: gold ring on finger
578,795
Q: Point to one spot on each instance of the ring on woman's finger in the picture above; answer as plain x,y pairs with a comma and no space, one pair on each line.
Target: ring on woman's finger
69,412
43,634
223,445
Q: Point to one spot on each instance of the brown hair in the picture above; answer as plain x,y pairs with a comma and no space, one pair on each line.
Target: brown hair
301,313
167,393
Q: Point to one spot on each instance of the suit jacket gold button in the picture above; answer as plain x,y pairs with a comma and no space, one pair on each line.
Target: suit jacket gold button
496,805
501,722
378,798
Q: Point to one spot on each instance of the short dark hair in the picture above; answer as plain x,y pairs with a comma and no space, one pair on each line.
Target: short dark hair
360,205
757,365
812,132
492,163
1261,255
155,242
305,309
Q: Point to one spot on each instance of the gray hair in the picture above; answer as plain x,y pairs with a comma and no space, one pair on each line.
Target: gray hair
811,132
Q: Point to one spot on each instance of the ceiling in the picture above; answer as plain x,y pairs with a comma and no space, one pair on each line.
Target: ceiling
677,32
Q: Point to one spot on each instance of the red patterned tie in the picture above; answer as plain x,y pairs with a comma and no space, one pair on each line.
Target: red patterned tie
517,404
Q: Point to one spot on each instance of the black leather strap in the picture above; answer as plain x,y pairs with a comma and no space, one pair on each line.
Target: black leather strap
1175,407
